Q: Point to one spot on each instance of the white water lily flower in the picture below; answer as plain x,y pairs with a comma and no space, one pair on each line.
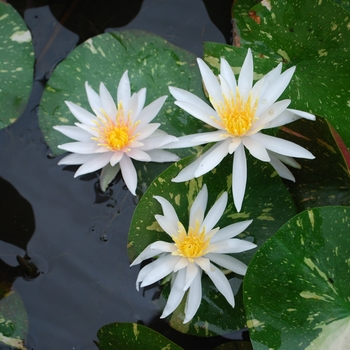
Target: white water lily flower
240,111
198,249
114,135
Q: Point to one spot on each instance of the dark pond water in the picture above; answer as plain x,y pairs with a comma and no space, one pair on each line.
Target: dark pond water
75,235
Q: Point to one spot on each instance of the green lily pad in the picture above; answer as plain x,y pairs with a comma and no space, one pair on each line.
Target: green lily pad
132,336
314,36
267,202
13,320
296,290
152,62
16,64
326,179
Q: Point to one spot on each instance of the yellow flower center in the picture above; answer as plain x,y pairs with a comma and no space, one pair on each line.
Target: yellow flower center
237,115
192,244
116,135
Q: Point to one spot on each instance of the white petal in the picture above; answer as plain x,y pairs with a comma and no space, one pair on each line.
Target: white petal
147,130
94,164
281,146
88,129
183,142
281,169
233,245
182,263
201,114
228,262
227,73
188,172
256,149
132,108
186,96
154,141
80,147
235,142
149,112
163,246
81,114
161,156
286,160
141,97
116,157
288,116
139,155
221,283
176,294
129,174
168,211
210,81
147,253
239,177
191,272
167,225
203,263
230,231
302,114
161,270
94,99
245,79
225,88
215,212
74,158
107,102
108,173
123,92
194,298
212,136
212,157
73,132
198,207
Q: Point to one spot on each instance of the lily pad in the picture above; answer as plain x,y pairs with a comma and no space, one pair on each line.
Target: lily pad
326,179
132,336
16,64
314,36
267,202
296,290
152,62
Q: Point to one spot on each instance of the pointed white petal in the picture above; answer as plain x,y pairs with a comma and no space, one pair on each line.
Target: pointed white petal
235,142
80,147
281,169
182,263
188,172
227,73
74,158
161,156
225,88
147,253
94,99
230,231
210,81
132,108
203,263
201,114
221,283
212,157
228,262
198,207
194,298
141,97
215,213
286,160
245,80
129,174
73,132
168,211
139,155
94,164
191,272
167,225
269,78
284,118
149,112
302,114
256,149
89,129
183,142
123,92
108,173
153,142
176,294
81,114
212,136
163,246
107,102
116,157
233,245
281,146
239,177
147,130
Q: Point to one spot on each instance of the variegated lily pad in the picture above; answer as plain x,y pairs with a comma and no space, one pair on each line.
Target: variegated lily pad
16,64
296,290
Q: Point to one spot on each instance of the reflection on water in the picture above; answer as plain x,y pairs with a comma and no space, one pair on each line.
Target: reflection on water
65,232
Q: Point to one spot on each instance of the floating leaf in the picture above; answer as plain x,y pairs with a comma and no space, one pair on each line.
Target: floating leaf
132,336
314,36
16,64
296,290
13,321
267,202
324,180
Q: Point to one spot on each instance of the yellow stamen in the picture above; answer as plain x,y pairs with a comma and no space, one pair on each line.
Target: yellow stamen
116,135
237,115
192,244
